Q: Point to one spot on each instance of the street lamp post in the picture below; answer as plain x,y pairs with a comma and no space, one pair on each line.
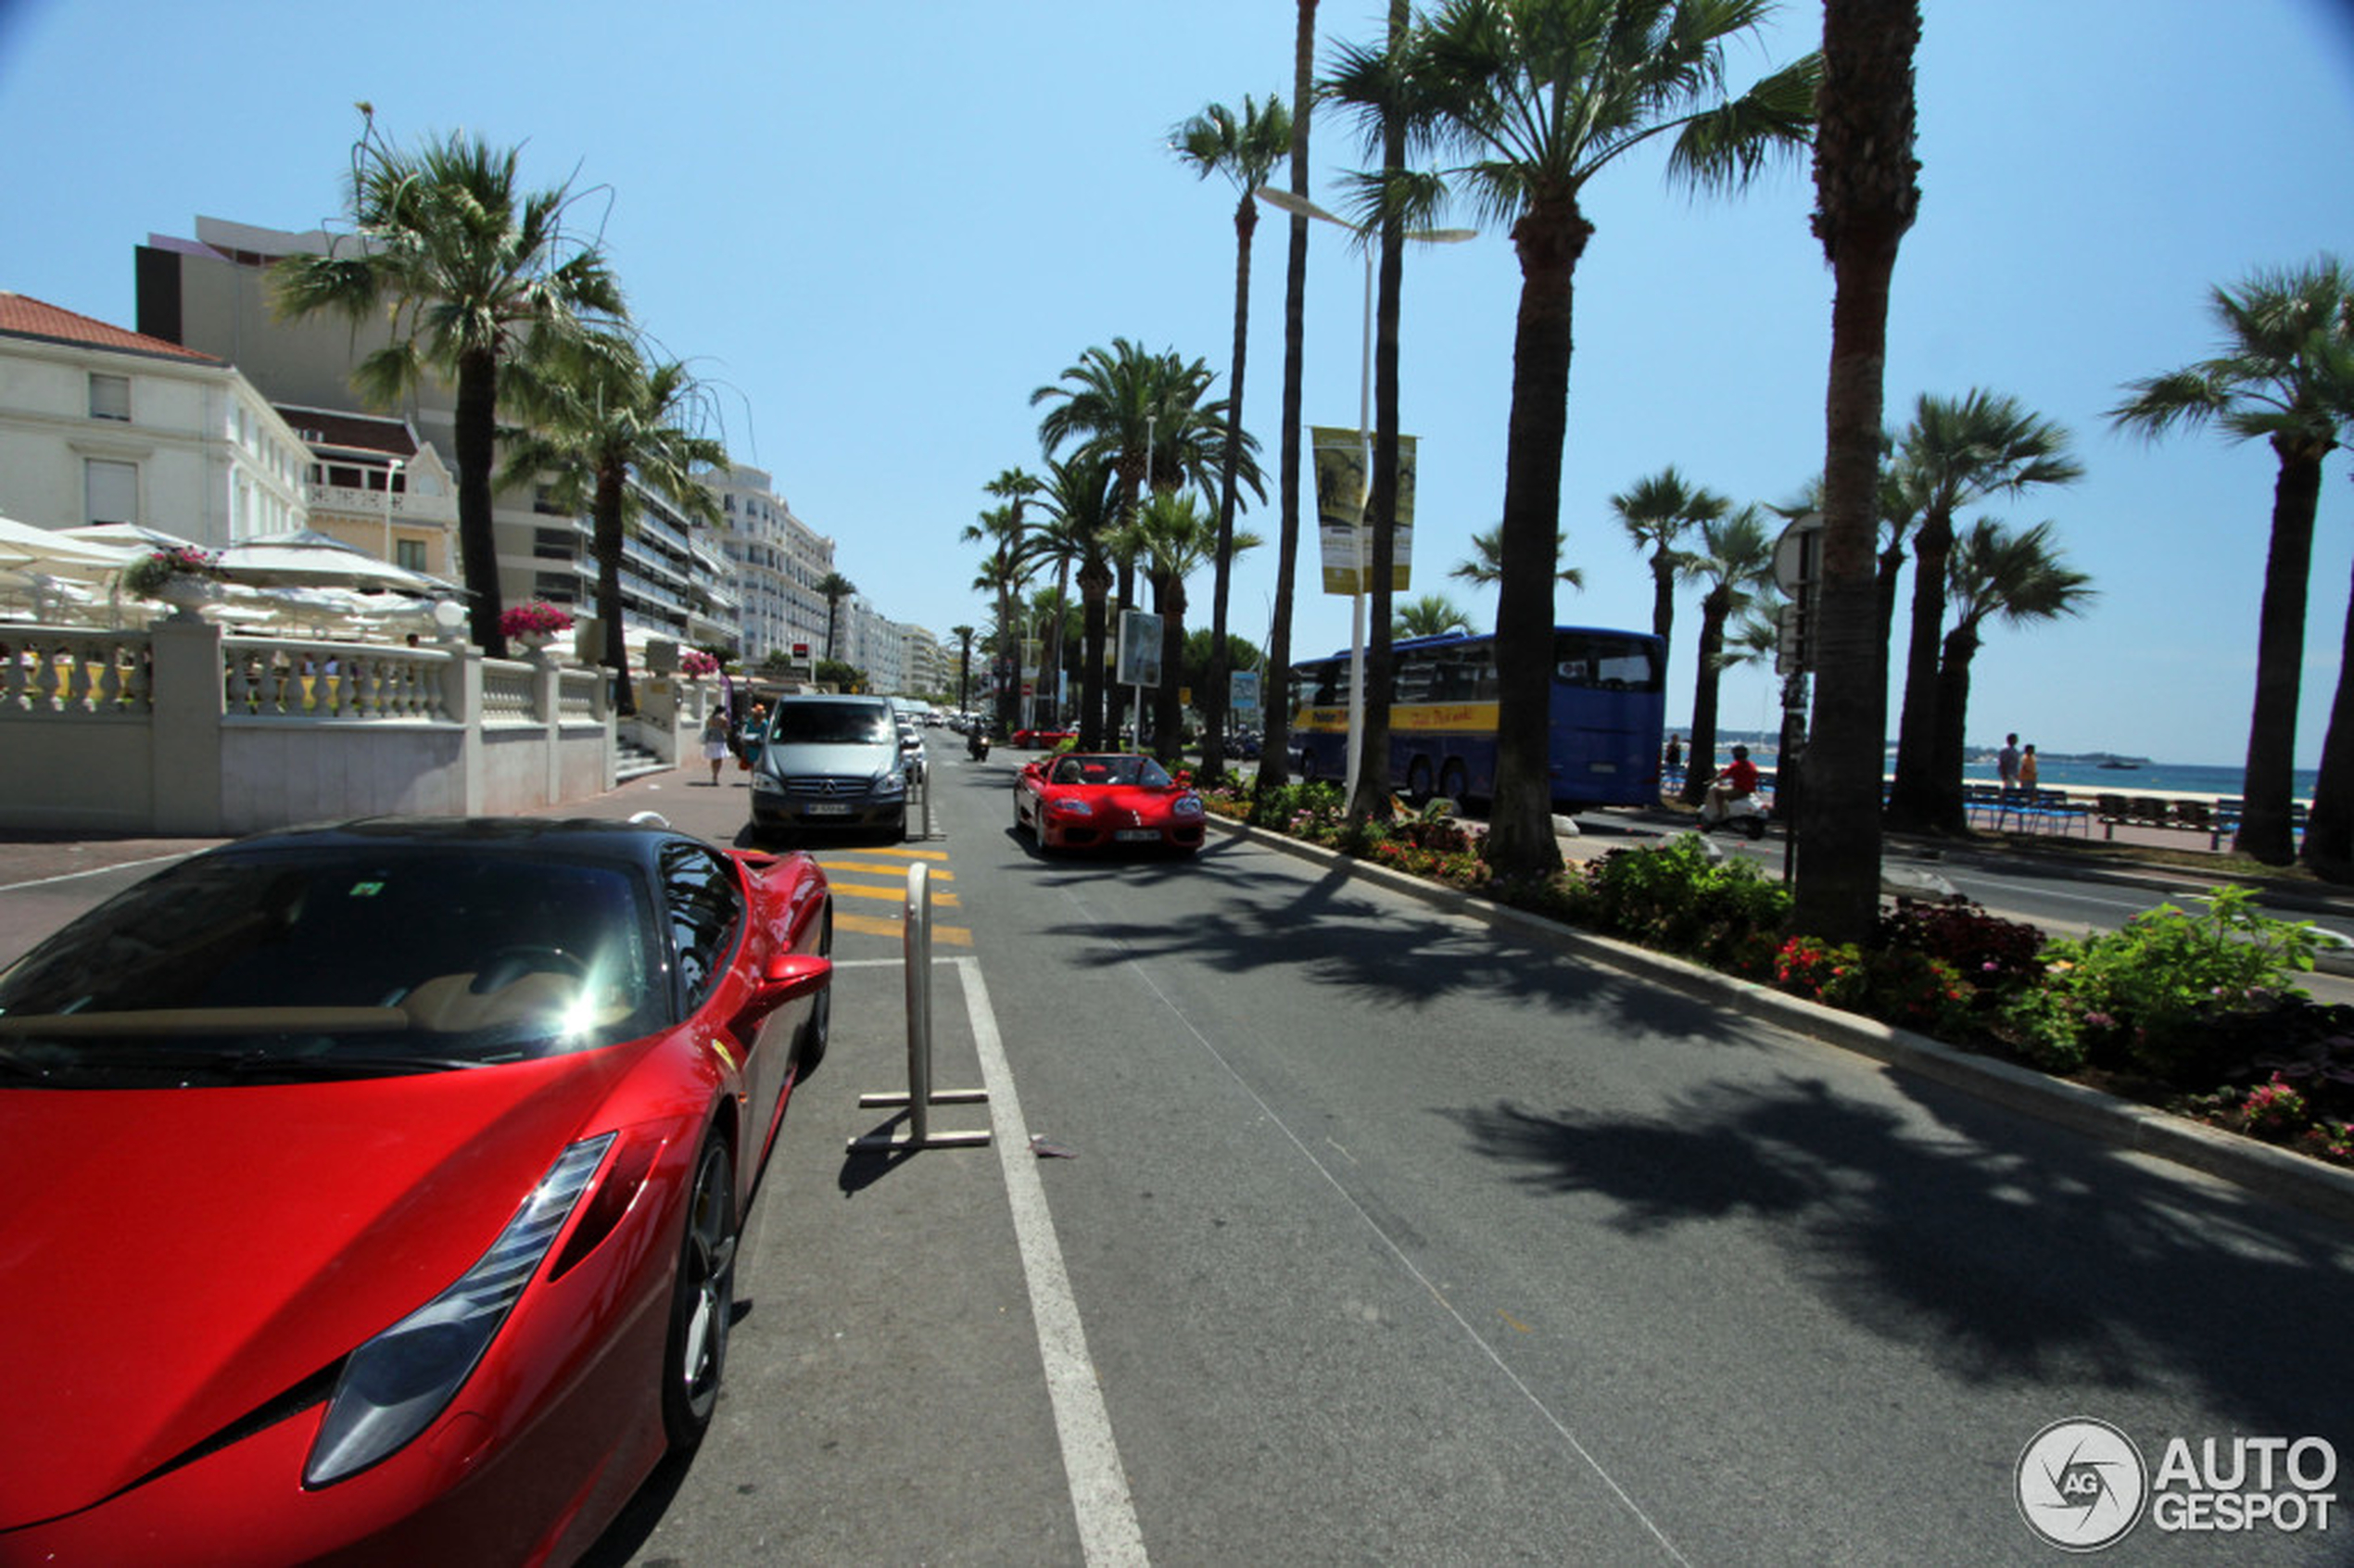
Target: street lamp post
1301,207
392,471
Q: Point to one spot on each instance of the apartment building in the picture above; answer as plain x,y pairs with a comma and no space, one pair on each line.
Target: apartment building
777,561
99,423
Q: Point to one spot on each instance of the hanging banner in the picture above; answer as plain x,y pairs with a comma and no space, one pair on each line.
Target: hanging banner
1139,649
1340,456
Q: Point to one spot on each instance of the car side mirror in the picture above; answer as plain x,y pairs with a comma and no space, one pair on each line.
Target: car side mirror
784,979
1183,778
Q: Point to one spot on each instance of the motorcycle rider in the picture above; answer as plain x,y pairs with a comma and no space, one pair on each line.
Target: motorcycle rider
1738,778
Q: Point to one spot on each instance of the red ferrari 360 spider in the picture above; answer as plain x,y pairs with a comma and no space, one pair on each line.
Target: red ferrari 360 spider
374,1192
1113,799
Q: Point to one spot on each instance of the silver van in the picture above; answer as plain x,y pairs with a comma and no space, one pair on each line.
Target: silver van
830,761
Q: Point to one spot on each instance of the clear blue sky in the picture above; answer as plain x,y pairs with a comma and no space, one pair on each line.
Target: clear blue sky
880,228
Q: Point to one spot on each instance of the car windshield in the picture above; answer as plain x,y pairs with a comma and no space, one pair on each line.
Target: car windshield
334,962
1142,772
833,723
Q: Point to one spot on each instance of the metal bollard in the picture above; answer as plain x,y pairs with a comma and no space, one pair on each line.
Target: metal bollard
916,941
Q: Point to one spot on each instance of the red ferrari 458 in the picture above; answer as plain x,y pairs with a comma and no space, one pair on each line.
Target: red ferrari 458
1114,800
373,1191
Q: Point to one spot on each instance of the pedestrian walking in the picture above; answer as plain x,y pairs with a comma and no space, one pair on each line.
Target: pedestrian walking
714,742
2027,768
2006,762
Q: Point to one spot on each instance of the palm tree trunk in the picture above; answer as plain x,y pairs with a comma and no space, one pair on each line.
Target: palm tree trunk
2329,830
1095,585
2269,787
1912,797
475,439
612,491
1707,672
1213,707
1274,756
1867,193
1520,836
1953,719
1169,715
1372,802
1663,596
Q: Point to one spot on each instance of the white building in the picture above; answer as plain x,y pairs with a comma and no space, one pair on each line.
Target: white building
778,559
101,425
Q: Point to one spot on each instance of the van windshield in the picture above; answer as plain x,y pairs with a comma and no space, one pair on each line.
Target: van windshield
834,724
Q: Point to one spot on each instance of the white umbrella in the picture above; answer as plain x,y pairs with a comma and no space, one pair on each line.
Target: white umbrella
310,558
23,545
134,537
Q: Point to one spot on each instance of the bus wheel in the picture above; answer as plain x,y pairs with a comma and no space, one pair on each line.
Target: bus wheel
1418,781
1451,780
1308,767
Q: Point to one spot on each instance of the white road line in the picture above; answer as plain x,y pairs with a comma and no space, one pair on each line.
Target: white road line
95,871
1107,1528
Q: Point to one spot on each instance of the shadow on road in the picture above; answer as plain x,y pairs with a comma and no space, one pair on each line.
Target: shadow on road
1948,1245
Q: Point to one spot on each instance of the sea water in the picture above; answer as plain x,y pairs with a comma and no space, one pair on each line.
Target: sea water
2087,778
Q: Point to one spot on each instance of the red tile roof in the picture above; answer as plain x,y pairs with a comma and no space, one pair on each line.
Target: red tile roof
22,316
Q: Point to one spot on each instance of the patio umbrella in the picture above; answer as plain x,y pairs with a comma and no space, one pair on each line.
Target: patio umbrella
136,537
308,558
24,546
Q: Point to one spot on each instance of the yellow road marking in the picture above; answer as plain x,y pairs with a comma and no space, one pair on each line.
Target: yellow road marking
868,868
1515,1323
852,889
899,852
875,925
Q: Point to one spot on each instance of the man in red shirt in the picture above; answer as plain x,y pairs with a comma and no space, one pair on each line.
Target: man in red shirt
1740,778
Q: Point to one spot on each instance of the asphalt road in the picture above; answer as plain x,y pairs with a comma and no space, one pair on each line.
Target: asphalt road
1383,1239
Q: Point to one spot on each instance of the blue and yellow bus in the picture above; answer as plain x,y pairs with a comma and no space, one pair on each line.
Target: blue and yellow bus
1609,712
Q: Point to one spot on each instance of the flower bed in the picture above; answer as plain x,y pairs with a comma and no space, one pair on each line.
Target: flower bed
2197,1014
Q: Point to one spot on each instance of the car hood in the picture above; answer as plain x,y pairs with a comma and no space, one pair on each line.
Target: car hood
173,1260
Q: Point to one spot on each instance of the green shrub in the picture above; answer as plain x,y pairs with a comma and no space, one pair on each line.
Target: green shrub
2163,992
1997,958
1676,898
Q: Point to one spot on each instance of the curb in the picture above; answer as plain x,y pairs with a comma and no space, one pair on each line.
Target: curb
2262,1169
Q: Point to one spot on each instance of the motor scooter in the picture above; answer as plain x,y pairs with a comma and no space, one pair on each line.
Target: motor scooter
977,744
1739,813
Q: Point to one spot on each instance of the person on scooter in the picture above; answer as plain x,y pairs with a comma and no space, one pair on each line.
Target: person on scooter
1738,778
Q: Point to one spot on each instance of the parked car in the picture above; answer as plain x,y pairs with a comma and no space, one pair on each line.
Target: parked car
1040,739
1113,799
830,761
375,1190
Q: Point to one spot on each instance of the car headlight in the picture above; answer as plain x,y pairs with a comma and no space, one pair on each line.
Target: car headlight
1185,805
393,1387
891,784
1071,805
766,783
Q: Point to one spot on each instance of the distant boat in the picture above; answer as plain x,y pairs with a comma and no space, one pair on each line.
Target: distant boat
2118,763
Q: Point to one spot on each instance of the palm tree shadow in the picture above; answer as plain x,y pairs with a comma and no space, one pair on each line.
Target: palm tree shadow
2003,1250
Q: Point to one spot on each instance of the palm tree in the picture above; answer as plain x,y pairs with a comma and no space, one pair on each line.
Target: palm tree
1083,500
1866,190
834,587
963,635
1145,414
473,270
604,417
1994,573
1655,513
1735,554
2286,373
1434,614
1275,769
1246,149
1172,537
1540,96
1007,569
1484,567
1955,453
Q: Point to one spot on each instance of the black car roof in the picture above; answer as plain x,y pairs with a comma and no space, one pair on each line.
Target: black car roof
565,838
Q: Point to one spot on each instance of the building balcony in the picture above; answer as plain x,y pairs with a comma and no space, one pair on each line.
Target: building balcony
354,500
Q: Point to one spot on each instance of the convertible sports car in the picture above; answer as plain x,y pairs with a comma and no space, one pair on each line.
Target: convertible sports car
1114,800
373,1191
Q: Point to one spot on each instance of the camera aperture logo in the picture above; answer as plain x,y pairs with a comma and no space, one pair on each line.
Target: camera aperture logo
2082,1484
